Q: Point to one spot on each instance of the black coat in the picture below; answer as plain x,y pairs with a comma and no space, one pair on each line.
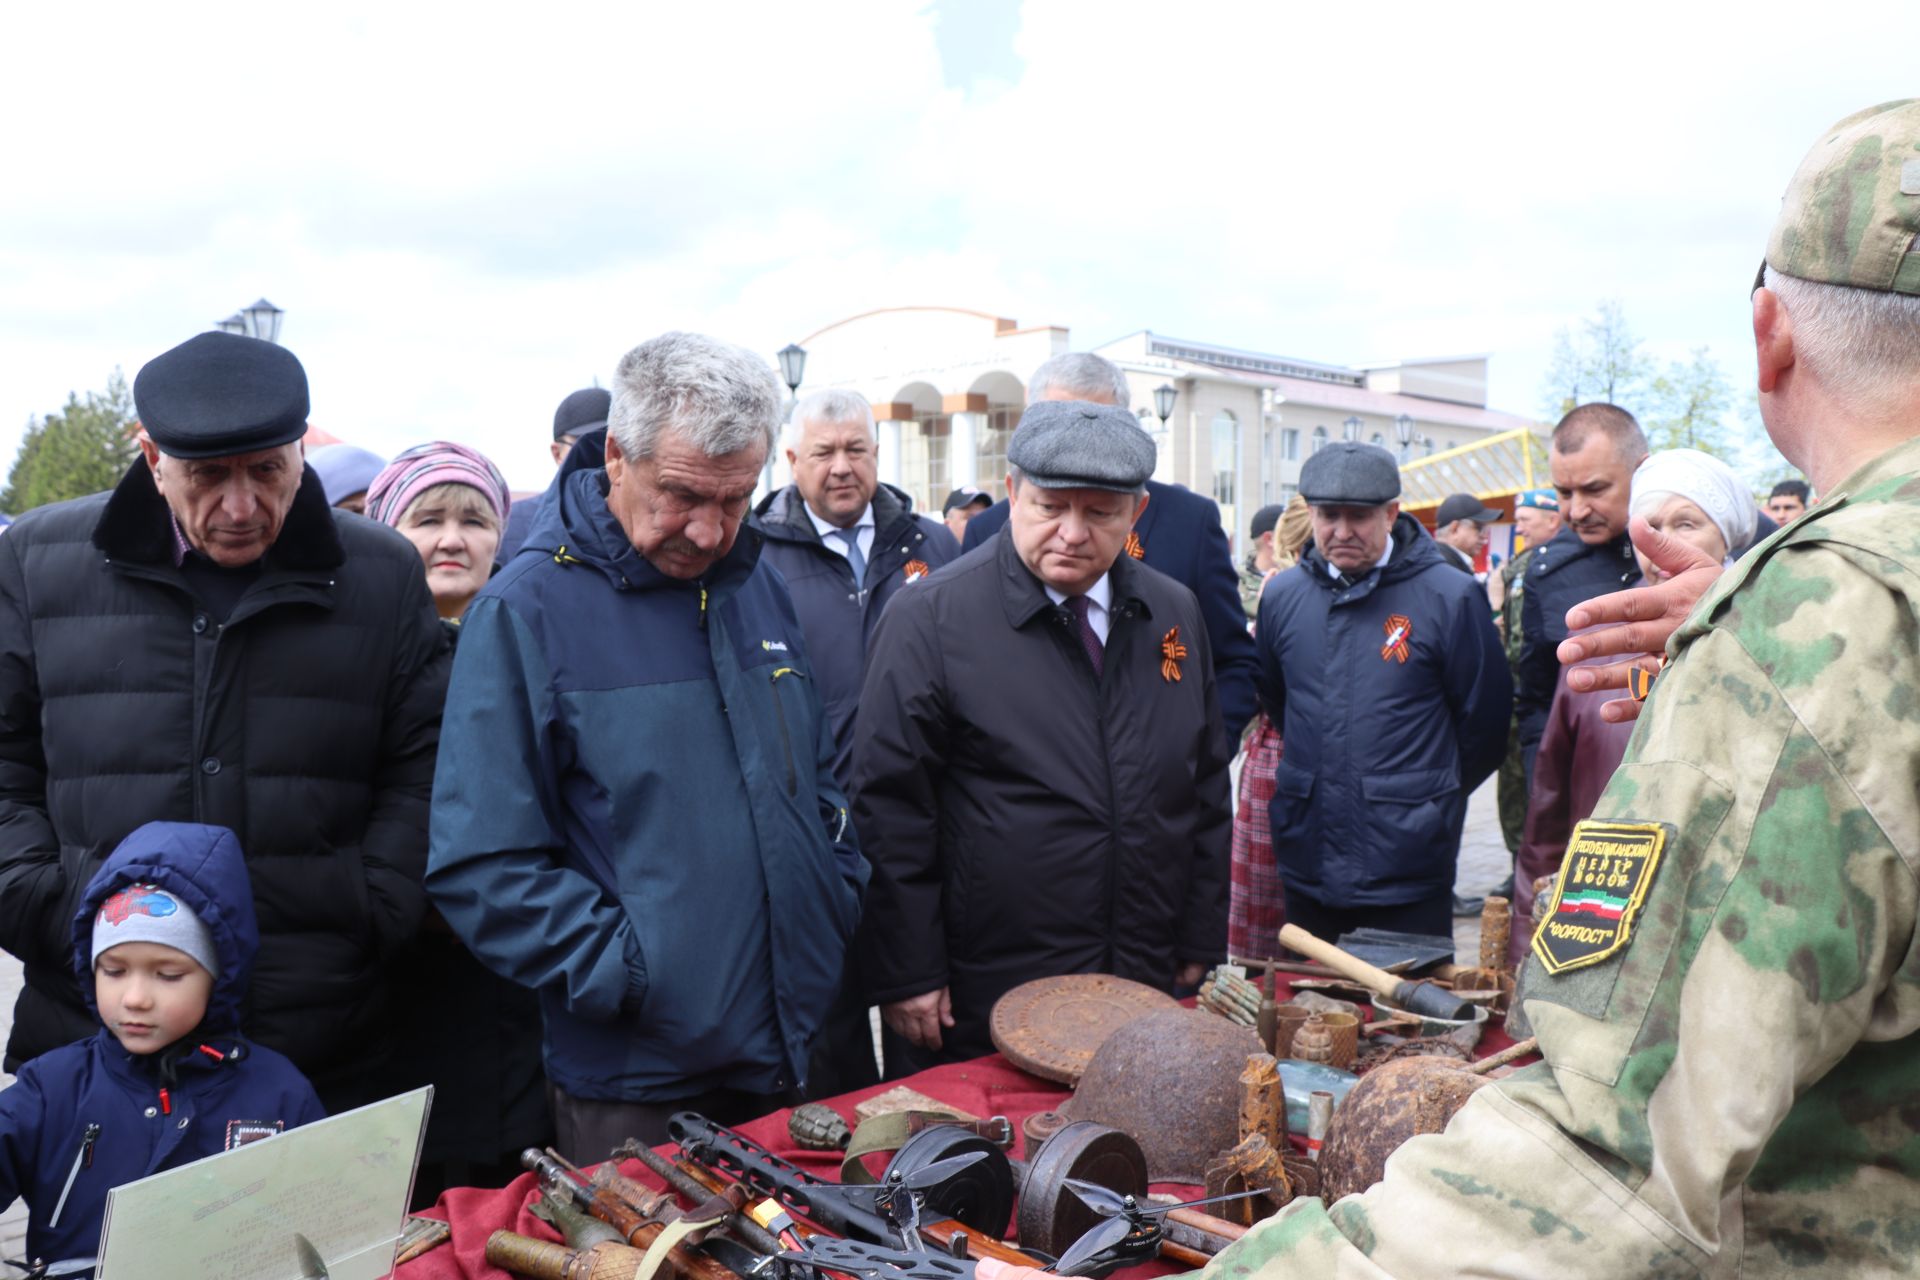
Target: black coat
1384,745
307,724
1180,535
1561,573
837,616
1023,818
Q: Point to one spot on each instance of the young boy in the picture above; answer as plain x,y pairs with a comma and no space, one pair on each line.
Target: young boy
163,942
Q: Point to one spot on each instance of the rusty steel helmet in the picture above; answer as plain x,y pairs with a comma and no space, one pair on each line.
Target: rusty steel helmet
1172,1080
1395,1101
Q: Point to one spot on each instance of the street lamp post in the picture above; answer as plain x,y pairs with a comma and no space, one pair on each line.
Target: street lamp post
1163,397
793,366
263,321
1403,432
235,324
1350,429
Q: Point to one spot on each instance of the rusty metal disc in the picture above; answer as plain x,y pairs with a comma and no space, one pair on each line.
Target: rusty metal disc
1040,1126
1052,1026
1051,1215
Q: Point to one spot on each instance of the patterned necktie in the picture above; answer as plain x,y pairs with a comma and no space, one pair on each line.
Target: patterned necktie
857,561
1089,638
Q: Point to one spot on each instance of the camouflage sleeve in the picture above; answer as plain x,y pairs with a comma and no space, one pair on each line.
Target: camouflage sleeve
1732,1076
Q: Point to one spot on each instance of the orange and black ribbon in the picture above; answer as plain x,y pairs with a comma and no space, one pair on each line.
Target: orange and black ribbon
1172,654
1398,628
1640,680
1136,548
915,569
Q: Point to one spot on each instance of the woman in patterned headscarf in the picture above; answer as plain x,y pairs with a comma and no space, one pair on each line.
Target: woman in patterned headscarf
451,503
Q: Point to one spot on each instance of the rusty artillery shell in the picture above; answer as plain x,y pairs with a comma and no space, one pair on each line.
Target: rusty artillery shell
1263,1101
1496,925
1319,1117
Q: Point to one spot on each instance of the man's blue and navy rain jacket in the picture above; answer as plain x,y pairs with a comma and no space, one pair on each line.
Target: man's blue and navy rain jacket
102,1116
635,813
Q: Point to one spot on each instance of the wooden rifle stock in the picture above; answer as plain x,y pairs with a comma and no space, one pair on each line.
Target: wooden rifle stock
540,1260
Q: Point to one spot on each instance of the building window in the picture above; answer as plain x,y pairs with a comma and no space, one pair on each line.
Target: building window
990,450
1319,439
1226,470
924,468
1290,445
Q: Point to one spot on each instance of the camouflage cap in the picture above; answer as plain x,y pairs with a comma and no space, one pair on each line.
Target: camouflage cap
1851,213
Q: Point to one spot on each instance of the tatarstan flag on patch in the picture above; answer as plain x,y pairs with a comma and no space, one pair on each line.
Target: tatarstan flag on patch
1594,904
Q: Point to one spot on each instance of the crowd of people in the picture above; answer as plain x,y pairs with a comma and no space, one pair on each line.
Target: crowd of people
325,777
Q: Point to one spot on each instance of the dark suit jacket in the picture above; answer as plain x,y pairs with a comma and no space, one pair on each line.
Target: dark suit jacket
1180,535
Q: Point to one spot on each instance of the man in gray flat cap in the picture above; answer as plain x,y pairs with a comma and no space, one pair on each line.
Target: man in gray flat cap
1382,666
1040,770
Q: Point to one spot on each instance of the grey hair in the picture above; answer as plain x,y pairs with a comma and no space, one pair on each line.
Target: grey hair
722,398
1863,345
1015,476
830,406
1083,376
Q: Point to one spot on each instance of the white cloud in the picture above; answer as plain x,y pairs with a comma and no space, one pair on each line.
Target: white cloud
469,211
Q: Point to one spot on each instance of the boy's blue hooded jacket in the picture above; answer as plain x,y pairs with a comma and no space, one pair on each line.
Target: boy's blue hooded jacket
121,1116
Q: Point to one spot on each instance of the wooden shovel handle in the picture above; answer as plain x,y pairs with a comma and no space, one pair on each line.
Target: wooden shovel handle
1347,966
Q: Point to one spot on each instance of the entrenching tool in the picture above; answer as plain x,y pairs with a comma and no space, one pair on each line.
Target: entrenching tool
1422,998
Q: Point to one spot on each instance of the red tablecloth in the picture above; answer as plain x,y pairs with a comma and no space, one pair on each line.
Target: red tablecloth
989,1086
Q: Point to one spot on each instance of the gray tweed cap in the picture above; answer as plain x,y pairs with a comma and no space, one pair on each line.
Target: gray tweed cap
1075,444
1350,474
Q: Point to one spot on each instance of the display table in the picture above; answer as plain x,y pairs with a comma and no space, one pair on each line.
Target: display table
989,1086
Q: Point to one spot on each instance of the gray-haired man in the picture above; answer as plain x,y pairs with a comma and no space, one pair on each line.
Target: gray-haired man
635,812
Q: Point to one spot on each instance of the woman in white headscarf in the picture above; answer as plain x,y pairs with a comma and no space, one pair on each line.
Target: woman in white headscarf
1695,497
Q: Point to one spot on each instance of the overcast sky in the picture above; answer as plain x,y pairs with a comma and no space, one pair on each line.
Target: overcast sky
468,211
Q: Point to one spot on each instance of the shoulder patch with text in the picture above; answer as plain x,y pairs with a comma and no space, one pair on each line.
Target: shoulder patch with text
1603,884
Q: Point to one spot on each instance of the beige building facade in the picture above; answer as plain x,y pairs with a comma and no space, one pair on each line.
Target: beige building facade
948,385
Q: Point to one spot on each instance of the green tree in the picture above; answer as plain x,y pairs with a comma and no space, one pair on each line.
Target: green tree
84,448
1689,403
1601,363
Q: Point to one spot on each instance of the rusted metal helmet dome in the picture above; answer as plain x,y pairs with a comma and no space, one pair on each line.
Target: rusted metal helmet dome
1172,1080
1393,1102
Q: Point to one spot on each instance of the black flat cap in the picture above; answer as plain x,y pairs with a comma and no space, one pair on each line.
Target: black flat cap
219,394
1350,474
1464,506
581,412
1075,444
1266,518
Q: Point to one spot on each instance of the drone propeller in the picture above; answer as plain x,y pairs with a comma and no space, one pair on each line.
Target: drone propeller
1094,1243
1108,1203
937,1172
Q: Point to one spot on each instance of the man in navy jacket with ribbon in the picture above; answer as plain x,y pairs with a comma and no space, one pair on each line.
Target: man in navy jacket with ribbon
635,812
1382,667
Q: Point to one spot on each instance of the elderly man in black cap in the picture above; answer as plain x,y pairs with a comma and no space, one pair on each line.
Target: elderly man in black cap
210,642
1460,527
1040,769
581,416
1383,670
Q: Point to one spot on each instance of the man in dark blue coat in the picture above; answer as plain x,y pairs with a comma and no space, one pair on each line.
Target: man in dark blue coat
1179,534
845,543
1383,669
1594,453
634,811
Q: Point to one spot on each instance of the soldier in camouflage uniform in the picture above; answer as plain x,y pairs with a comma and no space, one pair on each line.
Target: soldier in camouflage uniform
1730,1011
1536,517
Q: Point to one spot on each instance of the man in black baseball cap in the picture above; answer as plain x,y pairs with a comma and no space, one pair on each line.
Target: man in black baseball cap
1461,530
211,642
581,416
962,505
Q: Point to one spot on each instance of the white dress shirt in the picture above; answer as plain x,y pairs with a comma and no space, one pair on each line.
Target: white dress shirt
830,533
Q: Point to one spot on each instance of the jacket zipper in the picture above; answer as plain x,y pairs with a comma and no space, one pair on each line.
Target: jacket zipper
83,1158
786,737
